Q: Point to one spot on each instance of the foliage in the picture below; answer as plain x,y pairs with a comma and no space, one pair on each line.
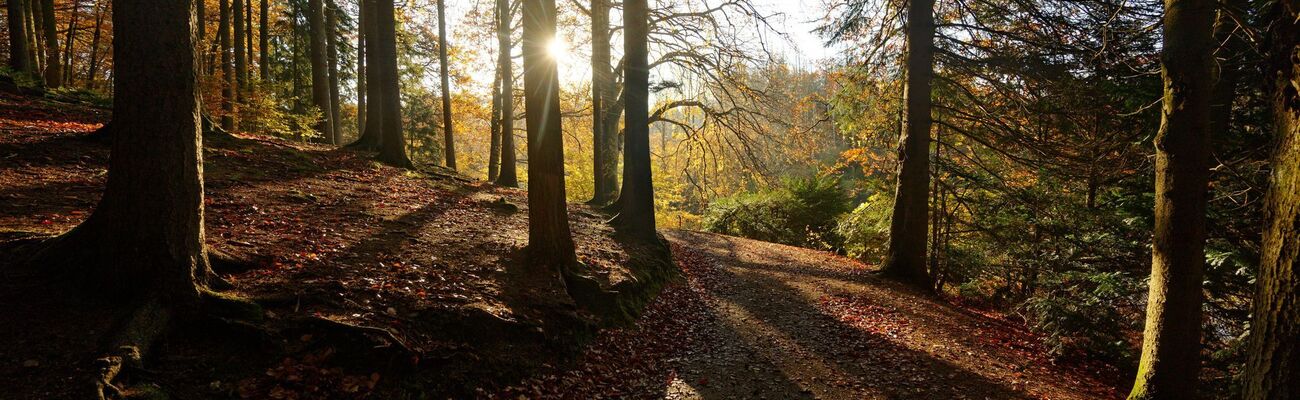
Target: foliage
865,230
1078,314
801,212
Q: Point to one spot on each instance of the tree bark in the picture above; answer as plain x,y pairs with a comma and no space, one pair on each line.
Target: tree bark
93,68
550,243
241,62
509,175
53,69
1171,341
1273,367
248,43
33,40
331,29
604,144
637,211
448,130
17,37
227,70
320,84
69,39
145,238
494,150
372,133
393,148
361,68
264,42
908,227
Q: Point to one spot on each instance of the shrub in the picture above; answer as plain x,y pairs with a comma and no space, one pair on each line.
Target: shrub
801,212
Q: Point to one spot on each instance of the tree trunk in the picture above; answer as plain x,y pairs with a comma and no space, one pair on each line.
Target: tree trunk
241,62
637,208
264,42
248,43
145,238
68,39
331,29
372,133
905,259
1273,367
33,41
448,130
93,68
320,84
550,244
393,148
1171,341
509,175
227,70
53,70
361,68
17,37
494,150
604,145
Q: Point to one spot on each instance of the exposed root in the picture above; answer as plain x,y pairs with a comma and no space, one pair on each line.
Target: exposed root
386,337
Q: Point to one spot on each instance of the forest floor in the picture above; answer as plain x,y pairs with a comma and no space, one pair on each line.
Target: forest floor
329,236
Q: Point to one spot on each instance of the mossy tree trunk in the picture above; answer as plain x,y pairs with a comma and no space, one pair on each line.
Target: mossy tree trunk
145,238
320,81
53,67
1273,369
637,211
1171,348
905,259
509,175
550,243
17,37
393,148
494,149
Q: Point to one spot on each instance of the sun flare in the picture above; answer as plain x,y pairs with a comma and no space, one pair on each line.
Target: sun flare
558,49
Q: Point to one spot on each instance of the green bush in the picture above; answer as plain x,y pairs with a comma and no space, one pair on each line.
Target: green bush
801,212
1077,312
865,230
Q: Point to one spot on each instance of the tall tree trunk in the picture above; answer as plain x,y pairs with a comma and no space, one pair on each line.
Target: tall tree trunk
393,147
93,69
361,67
145,238
241,62
1171,341
550,243
604,145
320,84
372,132
248,43
33,39
53,70
494,150
509,175
1273,367
227,70
637,208
201,27
448,130
264,42
69,38
18,60
905,259
331,29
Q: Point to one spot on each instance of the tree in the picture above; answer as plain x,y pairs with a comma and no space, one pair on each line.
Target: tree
449,142
241,53
372,132
264,44
227,70
637,211
53,70
494,149
92,70
393,146
509,175
144,241
361,67
331,29
18,60
320,83
603,93
1273,367
1171,341
550,242
905,259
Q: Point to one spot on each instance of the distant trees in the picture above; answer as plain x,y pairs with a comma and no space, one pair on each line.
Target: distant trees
1273,368
550,242
1171,342
908,229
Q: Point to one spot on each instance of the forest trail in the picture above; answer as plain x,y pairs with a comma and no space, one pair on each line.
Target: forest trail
758,320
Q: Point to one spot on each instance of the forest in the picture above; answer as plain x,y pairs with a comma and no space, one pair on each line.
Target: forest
650,199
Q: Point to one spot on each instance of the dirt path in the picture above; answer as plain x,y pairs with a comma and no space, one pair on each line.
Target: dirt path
755,320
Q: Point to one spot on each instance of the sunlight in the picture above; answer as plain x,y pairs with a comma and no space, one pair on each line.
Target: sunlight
558,49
